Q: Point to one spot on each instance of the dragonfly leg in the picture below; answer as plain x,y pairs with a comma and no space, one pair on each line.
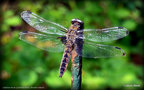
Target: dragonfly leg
63,39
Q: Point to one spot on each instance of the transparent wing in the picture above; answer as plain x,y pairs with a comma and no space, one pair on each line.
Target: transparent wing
92,50
45,42
42,25
104,35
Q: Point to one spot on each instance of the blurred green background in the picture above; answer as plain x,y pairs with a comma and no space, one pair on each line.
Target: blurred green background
23,65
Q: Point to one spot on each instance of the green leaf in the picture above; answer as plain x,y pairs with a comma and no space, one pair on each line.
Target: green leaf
55,81
27,77
122,13
13,21
4,27
8,13
129,24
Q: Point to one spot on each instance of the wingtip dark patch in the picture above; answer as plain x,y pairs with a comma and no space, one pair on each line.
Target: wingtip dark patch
25,31
120,27
29,11
117,48
124,54
127,32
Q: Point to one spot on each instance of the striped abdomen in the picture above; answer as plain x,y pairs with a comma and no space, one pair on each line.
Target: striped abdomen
65,60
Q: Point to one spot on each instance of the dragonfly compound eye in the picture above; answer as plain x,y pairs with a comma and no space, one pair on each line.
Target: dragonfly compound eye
72,22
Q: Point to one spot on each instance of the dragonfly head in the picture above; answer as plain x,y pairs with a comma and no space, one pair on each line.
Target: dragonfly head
77,24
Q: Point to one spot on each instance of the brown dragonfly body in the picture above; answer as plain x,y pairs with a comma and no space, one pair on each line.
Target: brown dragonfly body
70,43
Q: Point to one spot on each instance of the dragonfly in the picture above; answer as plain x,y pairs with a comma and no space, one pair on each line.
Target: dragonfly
54,37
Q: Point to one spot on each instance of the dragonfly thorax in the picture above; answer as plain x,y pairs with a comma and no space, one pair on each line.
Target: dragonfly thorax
71,35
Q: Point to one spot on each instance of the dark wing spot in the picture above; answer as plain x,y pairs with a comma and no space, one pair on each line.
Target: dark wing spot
127,32
120,27
25,31
29,12
117,48
124,54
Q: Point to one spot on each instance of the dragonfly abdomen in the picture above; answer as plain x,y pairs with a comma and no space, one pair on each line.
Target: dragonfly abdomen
65,60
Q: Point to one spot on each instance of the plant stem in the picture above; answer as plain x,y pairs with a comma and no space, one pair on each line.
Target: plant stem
76,71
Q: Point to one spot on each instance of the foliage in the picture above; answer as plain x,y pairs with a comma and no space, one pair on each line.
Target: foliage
24,65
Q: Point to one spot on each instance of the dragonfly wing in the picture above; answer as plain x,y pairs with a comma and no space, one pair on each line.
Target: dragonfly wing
46,42
104,35
92,50
42,25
